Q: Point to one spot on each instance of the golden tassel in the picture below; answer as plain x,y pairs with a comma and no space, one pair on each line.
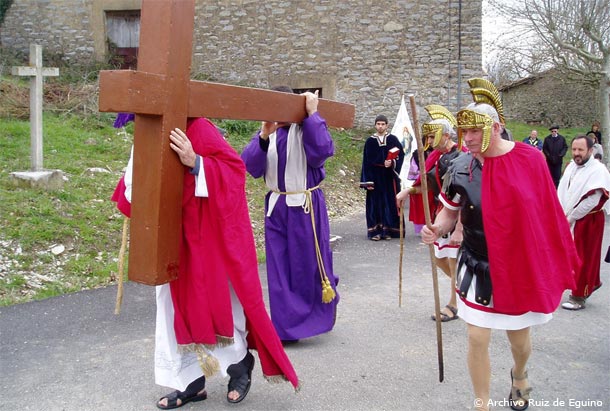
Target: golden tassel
209,364
328,294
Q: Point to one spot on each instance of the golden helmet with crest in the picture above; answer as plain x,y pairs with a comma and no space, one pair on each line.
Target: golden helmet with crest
486,109
443,122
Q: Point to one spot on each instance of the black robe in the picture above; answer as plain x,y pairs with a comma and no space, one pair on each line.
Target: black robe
381,212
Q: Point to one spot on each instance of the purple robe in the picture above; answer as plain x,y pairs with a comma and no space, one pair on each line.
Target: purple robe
293,276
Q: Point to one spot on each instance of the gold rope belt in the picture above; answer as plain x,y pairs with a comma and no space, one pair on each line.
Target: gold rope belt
328,294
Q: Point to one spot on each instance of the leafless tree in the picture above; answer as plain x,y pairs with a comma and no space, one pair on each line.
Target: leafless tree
569,35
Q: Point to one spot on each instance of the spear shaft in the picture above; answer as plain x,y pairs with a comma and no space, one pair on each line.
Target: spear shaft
424,188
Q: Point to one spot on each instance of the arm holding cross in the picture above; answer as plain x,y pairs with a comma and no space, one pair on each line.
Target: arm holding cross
311,106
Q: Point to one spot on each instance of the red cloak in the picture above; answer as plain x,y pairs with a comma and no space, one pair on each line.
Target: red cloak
532,256
588,237
416,201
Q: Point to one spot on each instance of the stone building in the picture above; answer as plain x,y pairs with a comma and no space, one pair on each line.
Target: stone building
367,52
551,97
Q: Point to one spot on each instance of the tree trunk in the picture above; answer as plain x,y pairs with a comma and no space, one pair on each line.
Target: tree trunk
604,109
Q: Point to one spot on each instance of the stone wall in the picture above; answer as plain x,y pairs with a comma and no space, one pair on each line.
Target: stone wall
551,99
367,52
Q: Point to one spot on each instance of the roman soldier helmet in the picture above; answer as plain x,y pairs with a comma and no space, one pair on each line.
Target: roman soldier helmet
484,93
442,120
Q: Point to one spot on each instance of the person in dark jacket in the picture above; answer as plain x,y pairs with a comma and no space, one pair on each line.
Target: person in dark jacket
554,149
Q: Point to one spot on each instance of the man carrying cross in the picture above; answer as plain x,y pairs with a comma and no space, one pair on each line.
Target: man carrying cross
205,315
198,240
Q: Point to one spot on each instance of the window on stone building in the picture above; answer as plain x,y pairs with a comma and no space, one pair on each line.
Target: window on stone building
312,89
123,37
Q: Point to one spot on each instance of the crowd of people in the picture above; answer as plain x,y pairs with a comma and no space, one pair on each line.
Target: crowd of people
213,314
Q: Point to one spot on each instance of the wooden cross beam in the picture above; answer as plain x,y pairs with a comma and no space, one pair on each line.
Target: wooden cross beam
37,73
162,96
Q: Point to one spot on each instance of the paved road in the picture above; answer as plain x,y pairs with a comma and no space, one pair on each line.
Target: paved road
72,353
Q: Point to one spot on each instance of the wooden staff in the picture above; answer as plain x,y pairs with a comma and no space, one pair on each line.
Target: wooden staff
424,188
402,246
119,292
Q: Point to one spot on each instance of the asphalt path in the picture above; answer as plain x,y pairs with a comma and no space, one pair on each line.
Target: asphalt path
71,353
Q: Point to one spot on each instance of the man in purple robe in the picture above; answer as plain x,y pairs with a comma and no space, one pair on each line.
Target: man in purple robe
302,285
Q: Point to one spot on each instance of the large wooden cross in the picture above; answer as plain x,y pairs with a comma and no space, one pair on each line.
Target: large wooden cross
162,96
37,73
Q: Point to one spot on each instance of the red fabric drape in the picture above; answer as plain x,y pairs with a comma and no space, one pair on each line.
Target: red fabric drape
532,255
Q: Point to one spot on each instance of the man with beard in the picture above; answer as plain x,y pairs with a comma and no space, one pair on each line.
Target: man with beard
583,193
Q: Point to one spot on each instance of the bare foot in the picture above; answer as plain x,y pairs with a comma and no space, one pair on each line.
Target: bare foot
233,395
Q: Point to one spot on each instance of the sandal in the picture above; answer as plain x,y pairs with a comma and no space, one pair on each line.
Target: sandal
518,399
376,237
573,305
445,317
193,393
241,377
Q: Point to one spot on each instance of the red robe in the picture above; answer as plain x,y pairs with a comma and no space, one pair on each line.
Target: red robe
217,247
532,256
588,236
416,201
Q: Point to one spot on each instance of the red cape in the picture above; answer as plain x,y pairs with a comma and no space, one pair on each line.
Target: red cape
532,256
416,201
217,247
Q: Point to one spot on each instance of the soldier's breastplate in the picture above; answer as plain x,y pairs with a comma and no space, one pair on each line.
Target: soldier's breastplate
467,183
438,171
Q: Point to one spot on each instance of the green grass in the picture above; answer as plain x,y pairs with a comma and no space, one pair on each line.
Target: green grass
80,216
522,130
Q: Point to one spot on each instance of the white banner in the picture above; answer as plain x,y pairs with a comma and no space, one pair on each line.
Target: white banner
404,131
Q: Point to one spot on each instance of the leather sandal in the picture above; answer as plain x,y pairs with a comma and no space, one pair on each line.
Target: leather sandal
445,317
193,393
241,377
518,399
